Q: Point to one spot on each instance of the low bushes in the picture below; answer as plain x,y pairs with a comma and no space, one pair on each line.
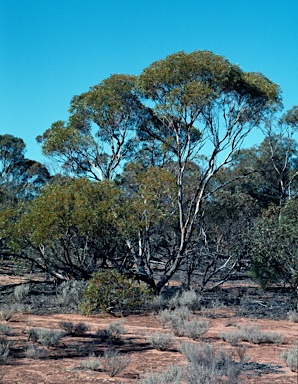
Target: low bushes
112,292
252,334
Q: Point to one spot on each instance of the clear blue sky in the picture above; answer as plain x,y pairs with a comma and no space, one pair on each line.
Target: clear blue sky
52,50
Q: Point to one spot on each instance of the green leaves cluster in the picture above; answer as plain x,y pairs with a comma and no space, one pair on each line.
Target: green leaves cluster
111,292
275,245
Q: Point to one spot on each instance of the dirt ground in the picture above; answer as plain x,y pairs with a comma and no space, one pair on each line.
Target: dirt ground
63,363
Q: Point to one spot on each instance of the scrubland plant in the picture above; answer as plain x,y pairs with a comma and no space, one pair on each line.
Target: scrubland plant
4,350
252,334
92,362
209,366
117,328
290,357
187,299
293,316
46,337
174,318
78,329
4,329
112,292
33,352
21,292
159,340
195,329
70,293
173,375
181,321
7,313
113,362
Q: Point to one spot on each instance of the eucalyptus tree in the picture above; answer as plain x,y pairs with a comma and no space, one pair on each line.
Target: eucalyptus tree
20,178
271,166
68,231
181,121
101,130
274,248
207,106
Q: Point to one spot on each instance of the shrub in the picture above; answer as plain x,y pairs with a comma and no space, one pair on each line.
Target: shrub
112,292
160,341
117,328
195,329
171,376
208,366
231,337
180,320
21,292
187,299
4,329
70,293
293,316
67,326
33,352
175,318
4,350
46,337
113,362
103,334
7,313
290,357
78,329
92,363
254,335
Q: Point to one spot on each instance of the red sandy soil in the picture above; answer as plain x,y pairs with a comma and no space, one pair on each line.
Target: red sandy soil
62,363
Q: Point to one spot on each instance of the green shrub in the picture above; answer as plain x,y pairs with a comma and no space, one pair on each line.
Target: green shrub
111,292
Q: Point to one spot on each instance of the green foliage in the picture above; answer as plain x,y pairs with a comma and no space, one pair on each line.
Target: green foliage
112,292
275,245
